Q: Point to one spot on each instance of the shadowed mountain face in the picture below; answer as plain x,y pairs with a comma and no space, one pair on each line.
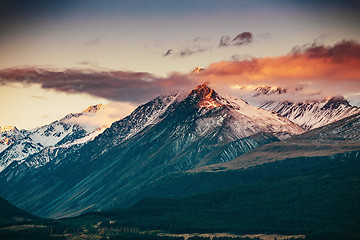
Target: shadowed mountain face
11,214
171,133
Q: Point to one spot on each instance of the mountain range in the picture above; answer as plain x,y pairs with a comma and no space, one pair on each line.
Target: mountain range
16,146
67,170
307,111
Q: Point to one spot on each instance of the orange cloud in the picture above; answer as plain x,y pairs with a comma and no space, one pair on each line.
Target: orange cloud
320,67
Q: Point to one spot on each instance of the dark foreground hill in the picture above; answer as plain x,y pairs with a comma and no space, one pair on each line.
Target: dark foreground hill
317,196
11,214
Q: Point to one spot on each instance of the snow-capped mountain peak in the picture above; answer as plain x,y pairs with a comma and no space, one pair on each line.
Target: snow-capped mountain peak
94,108
334,102
243,118
18,145
198,70
8,135
206,97
8,129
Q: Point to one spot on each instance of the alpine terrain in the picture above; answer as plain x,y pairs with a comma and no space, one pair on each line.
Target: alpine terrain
172,133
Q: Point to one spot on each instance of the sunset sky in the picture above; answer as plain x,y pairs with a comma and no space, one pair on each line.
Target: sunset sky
58,57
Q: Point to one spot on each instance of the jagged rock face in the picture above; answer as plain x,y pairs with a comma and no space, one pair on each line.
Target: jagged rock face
15,145
314,114
169,134
336,102
8,135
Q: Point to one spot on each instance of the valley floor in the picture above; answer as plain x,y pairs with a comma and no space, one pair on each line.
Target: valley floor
100,232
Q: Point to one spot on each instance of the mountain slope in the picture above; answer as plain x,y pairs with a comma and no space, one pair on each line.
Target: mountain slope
169,134
336,138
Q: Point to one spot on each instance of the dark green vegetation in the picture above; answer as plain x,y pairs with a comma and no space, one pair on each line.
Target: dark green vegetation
91,228
315,196
10,214
29,234
318,196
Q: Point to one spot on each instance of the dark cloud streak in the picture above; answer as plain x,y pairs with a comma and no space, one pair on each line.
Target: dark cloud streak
168,52
135,87
186,52
92,42
338,53
40,98
241,39
192,50
224,41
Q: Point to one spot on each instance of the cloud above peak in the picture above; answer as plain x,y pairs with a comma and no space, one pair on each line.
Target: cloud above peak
195,48
186,52
333,69
241,39
92,43
340,52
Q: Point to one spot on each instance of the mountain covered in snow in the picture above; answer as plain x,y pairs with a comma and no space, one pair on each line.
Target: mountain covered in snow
171,133
16,146
307,113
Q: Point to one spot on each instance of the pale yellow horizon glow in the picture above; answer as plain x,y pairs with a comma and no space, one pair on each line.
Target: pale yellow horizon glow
30,107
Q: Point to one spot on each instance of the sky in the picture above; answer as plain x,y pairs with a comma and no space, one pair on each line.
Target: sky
59,57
